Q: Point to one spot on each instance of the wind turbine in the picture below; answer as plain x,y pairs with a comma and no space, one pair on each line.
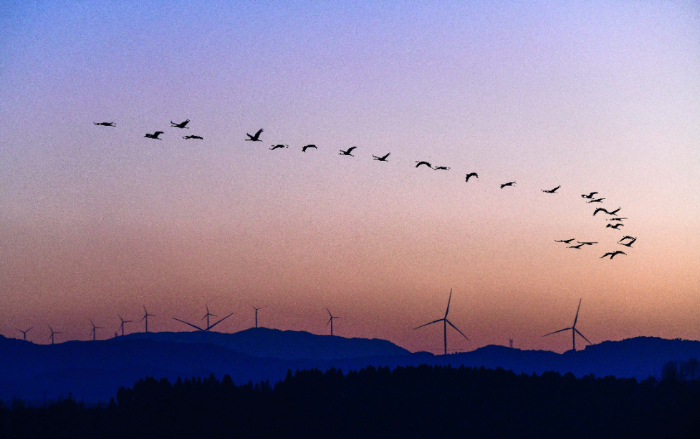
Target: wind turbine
256,314
573,329
146,315
24,333
123,322
94,330
445,323
331,320
52,333
207,317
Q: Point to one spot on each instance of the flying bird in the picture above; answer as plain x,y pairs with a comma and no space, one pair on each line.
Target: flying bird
627,244
510,183
576,246
278,146
470,175
597,200
256,137
615,226
617,219
587,242
105,124
348,152
589,196
424,163
627,237
612,254
304,148
551,191
441,168
381,159
154,135
565,241
192,137
180,125
601,209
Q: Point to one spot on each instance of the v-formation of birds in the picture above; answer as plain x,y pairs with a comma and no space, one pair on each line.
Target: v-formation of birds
615,223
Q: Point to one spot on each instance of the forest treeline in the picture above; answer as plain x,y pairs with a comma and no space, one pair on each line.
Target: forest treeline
407,402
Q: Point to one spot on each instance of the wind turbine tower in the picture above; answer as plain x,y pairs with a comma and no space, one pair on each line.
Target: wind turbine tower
146,315
206,316
94,330
24,333
445,323
573,329
123,322
331,320
256,314
51,337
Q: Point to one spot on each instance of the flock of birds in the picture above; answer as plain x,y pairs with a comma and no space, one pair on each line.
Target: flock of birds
615,222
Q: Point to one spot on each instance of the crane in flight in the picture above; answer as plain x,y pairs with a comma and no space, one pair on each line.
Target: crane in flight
615,226
551,191
348,151
256,137
154,135
441,168
304,148
274,147
424,163
193,137
597,200
565,241
105,124
382,159
589,196
180,125
602,209
613,254
470,175
510,183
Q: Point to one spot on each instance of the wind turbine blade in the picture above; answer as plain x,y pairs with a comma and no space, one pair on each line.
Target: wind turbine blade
565,329
582,336
577,309
450,323
329,312
448,303
219,321
194,326
434,321
329,321
144,318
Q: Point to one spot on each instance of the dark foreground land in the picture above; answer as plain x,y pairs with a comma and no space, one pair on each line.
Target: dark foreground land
410,402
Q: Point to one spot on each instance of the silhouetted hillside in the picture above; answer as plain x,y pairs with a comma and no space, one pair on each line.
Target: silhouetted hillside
290,345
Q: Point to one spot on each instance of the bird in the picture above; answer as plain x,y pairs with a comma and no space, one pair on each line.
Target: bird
424,163
587,242
256,137
470,175
348,152
441,168
381,159
105,124
597,200
192,137
589,196
154,135
510,183
576,246
628,237
601,209
180,125
612,254
551,191
565,241
615,226
304,148
278,146
627,244
617,219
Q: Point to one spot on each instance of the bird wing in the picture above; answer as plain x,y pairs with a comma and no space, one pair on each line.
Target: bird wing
434,321
450,323
387,155
194,326
565,329
258,133
351,148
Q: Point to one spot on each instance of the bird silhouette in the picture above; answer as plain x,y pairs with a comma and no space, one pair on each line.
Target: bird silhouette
180,125
256,137
510,183
470,175
348,152
601,209
105,124
587,242
627,244
551,191
628,237
278,146
154,135
578,246
304,148
617,219
441,168
381,159
612,254
192,137
597,200
565,241
589,196
424,163
615,226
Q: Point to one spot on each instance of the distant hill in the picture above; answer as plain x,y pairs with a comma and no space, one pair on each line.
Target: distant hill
93,371
290,345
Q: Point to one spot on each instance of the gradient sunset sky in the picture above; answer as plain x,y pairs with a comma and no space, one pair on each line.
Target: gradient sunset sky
593,96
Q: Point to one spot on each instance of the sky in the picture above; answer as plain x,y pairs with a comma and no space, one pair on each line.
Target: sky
97,222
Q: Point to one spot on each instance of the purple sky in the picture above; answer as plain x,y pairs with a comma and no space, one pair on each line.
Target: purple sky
592,96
